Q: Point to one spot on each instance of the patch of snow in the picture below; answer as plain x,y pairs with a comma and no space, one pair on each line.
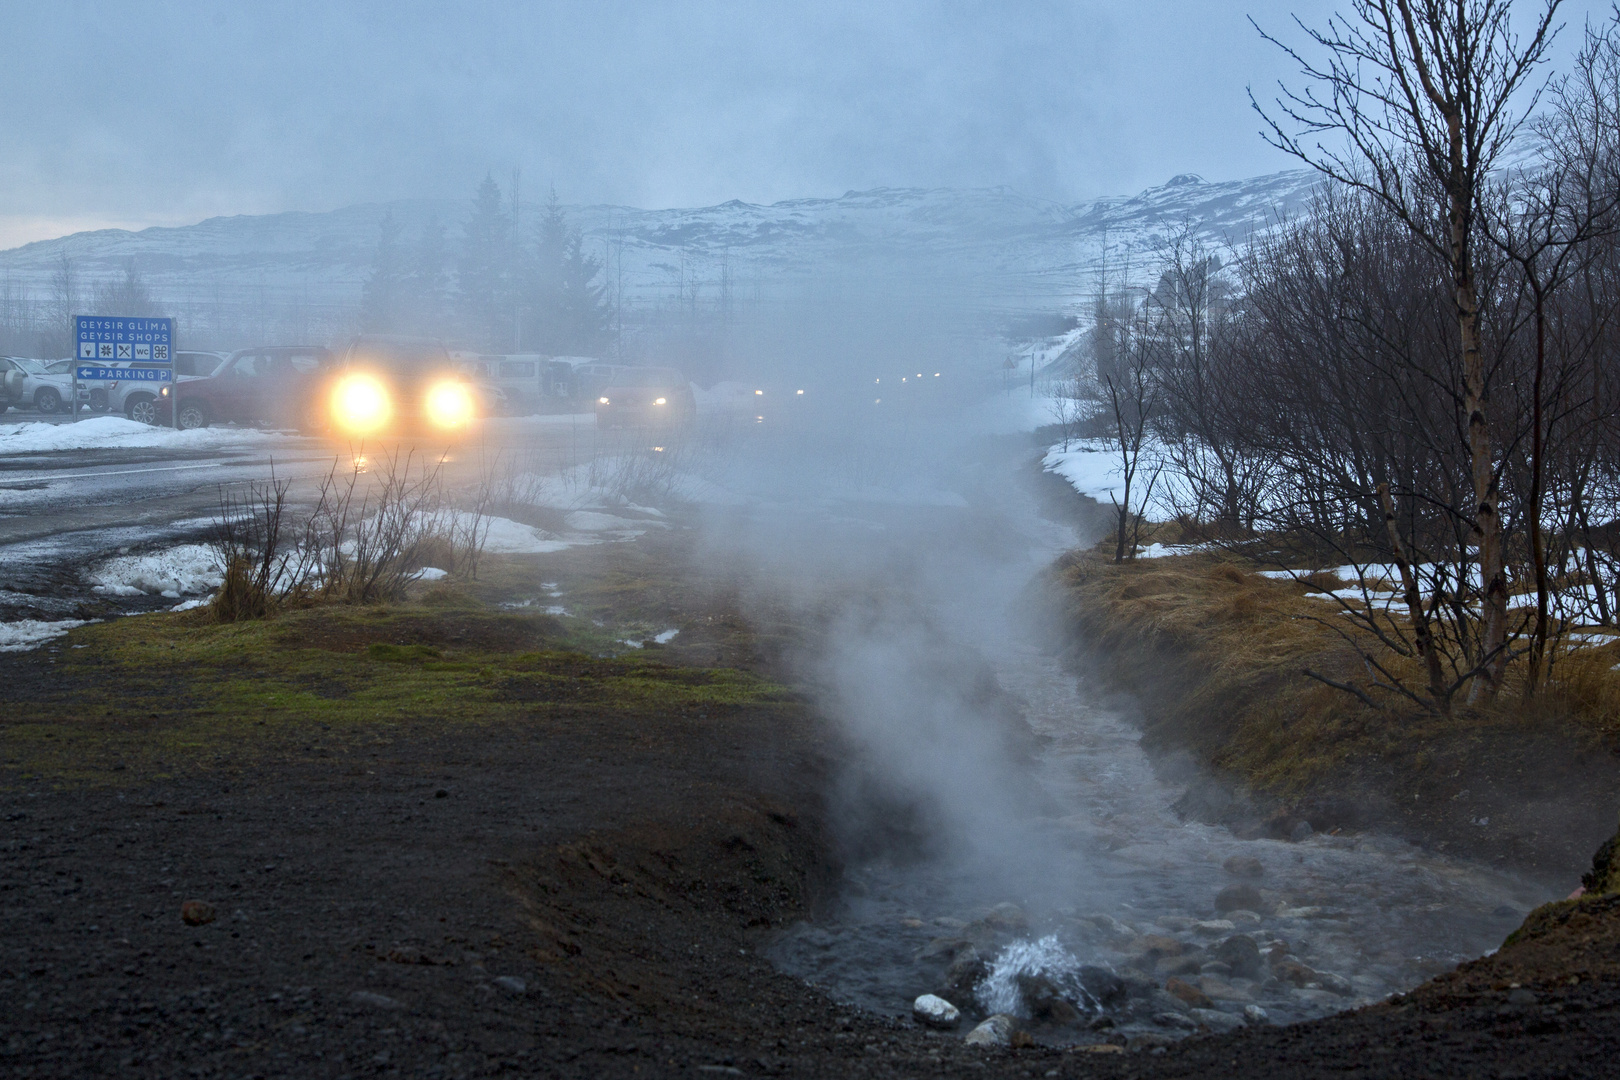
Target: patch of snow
189,569
591,521
431,573
508,537
188,605
666,637
116,432
25,634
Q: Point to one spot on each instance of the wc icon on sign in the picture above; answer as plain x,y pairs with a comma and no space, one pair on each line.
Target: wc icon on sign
143,352
125,352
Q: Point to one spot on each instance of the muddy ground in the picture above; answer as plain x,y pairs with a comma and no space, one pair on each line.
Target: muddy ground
440,844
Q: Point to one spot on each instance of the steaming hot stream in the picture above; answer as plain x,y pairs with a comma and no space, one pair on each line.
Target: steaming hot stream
1011,847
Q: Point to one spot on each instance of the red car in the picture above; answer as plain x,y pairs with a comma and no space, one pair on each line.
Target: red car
281,386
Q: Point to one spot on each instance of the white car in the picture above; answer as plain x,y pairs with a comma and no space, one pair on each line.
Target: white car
43,388
138,398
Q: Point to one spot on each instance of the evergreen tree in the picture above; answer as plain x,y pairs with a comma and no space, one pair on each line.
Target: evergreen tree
127,295
568,313
483,275
382,297
428,283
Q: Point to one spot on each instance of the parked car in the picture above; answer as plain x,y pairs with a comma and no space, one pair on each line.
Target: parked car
390,384
270,386
41,388
646,397
12,377
141,399
531,383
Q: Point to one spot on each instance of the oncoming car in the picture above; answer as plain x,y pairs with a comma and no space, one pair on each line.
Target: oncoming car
395,385
646,397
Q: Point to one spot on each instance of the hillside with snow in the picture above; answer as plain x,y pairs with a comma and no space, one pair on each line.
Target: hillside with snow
1020,254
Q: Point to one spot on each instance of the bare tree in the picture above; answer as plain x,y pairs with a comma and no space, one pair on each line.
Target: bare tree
1134,398
1427,95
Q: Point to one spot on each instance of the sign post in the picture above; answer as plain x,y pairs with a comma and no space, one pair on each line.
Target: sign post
103,340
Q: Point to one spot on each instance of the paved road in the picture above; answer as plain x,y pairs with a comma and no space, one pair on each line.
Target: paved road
63,510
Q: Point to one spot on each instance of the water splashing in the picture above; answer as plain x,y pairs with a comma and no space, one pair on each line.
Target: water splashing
1002,991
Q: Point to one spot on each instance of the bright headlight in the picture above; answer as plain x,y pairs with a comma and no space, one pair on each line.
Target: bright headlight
601,401
449,405
360,404
660,401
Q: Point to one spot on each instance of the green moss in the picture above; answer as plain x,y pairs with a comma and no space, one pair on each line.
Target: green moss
173,692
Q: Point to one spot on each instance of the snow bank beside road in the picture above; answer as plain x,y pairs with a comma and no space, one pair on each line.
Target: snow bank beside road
117,433
186,570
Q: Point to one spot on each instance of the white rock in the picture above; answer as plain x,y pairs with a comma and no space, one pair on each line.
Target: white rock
1254,1014
511,984
995,1031
935,1012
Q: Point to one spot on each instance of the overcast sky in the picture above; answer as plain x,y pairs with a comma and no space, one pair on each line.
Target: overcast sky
138,113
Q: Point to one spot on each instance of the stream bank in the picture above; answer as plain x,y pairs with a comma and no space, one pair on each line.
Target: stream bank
1208,656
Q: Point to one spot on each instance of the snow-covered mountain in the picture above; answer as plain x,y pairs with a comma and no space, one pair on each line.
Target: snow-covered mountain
1021,254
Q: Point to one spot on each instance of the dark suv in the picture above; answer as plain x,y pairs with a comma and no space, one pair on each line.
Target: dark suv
645,397
389,384
273,386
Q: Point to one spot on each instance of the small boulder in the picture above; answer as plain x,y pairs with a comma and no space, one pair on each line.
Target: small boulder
1301,831
197,912
511,984
1045,999
1254,1014
1181,965
1021,1040
935,1012
1007,917
1103,985
1241,953
1170,1020
966,972
1160,945
1221,990
1335,984
1289,970
1188,993
1217,1021
1238,897
947,947
1244,866
996,1030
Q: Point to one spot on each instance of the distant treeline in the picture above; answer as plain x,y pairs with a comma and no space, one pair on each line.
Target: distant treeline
499,286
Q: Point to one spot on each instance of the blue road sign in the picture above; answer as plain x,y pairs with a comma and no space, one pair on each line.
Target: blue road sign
90,374
118,337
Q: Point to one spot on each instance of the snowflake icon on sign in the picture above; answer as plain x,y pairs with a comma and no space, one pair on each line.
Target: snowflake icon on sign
105,352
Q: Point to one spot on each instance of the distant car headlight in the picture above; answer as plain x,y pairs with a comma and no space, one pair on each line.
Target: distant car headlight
450,405
660,401
360,404
602,401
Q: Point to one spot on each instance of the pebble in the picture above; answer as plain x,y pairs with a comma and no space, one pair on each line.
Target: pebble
1241,954
376,1001
1244,866
1254,1014
197,912
996,1030
1007,916
933,1011
1238,897
1215,926
1216,1020
1221,990
511,984
1170,1020
1187,992
1161,945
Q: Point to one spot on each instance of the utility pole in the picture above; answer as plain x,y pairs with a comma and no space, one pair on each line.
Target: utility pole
517,260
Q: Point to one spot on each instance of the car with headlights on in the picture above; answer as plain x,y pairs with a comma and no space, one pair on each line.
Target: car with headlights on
645,397
385,384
